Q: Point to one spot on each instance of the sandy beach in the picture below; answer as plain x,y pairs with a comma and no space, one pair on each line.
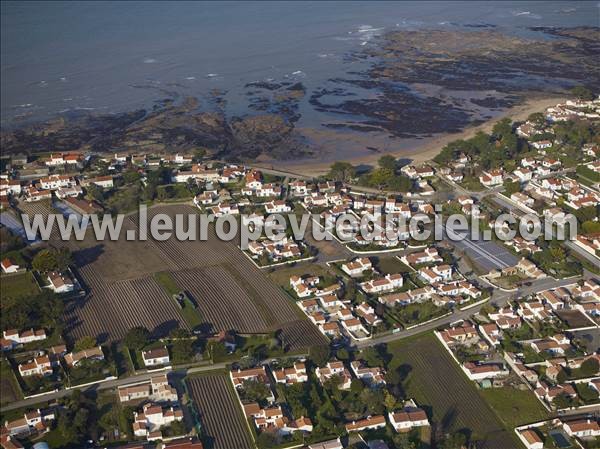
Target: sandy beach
425,151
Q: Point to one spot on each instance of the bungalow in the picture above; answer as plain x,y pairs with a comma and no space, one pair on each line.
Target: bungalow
408,418
521,198
541,144
459,333
205,198
101,181
492,178
60,282
8,266
484,370
225,209
429,255
24,337
68,192
33,194
387,283
239,376
40,366
277,207
155,357
334,368
73,358
582,428
531,439
34,420
292,375
53,182
152,418
372,376
370,422
357,267
548,393
299,188
11,186
157,389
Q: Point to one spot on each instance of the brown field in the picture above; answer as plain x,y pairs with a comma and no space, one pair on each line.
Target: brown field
574,318
222,421
230,291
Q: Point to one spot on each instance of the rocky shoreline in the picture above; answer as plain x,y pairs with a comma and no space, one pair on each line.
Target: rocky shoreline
421,84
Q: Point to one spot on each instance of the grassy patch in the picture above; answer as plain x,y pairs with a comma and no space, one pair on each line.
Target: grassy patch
472,184
18,286
189,312
9,387
514,407
167,282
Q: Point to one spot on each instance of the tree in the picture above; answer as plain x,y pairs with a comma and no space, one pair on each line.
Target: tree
341,171
267,440
387,161
52,259
589,368
537,118
44,261
86,342
182,351
63,258
319,354
372,357
582,93
342,354
390,401
255,391
136,338
131,176
95,192
511,187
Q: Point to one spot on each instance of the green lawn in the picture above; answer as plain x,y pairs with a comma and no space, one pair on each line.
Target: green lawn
167,282
190,314
472,184
514,407
9,387
18,286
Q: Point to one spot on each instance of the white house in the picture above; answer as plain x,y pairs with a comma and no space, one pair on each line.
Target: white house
153,418
491,178
530,438
155,357
8,266
60,282
277,207
357,267
582,428
408,418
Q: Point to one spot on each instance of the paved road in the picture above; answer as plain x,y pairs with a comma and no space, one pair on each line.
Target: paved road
107,385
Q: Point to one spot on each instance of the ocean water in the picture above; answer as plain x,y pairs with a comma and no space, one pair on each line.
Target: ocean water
117,56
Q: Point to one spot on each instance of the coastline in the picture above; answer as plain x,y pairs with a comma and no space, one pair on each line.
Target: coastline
420,153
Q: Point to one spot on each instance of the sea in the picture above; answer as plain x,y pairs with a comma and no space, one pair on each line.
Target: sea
109,57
